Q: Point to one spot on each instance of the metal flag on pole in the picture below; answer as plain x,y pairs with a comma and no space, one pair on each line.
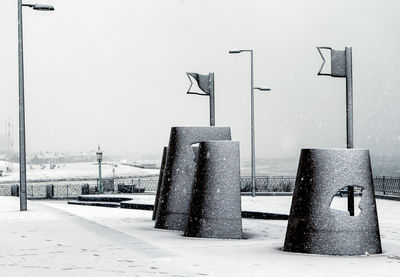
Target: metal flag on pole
342,67
206,85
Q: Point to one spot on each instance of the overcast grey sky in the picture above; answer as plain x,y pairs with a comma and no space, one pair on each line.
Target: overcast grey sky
113,72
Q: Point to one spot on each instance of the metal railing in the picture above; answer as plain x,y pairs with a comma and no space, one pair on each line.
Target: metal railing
269,184
138,184
383,185
5,190
387,185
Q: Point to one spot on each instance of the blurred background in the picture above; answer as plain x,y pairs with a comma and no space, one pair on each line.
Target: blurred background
113,73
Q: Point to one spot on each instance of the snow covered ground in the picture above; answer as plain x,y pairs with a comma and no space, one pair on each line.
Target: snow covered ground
56,239
273,204
74,170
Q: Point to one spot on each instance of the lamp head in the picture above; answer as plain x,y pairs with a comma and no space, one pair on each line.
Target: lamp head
235,51
42,7
262,89
99,154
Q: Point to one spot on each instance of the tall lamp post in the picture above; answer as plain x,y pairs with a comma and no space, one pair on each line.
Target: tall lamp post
252,88
22,148
99,156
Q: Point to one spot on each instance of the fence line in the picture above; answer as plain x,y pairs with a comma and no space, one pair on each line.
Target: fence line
269,183
387,185
383,185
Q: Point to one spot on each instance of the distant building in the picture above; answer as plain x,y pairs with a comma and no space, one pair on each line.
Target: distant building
59,157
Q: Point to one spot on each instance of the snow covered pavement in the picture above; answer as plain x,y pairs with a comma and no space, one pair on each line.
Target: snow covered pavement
56,239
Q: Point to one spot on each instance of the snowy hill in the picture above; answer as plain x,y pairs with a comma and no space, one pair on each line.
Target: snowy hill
73,171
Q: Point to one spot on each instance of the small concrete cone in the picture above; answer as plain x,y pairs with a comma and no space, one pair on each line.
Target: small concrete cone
176,188
316,228
160,177
215,210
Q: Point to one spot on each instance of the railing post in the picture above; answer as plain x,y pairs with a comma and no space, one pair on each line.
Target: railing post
49,191
398,186
383,185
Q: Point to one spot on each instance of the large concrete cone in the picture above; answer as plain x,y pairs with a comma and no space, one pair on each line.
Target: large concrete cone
160,177
176,188
215,210
314,227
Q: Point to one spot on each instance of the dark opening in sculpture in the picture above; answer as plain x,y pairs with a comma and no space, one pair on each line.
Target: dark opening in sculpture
339,200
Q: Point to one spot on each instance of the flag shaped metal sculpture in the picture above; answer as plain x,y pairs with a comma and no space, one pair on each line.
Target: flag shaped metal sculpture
206,85
341,67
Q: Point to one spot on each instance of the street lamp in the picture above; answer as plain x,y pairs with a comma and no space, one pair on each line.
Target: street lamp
39,7
252,88
99,156
22,148
262,88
